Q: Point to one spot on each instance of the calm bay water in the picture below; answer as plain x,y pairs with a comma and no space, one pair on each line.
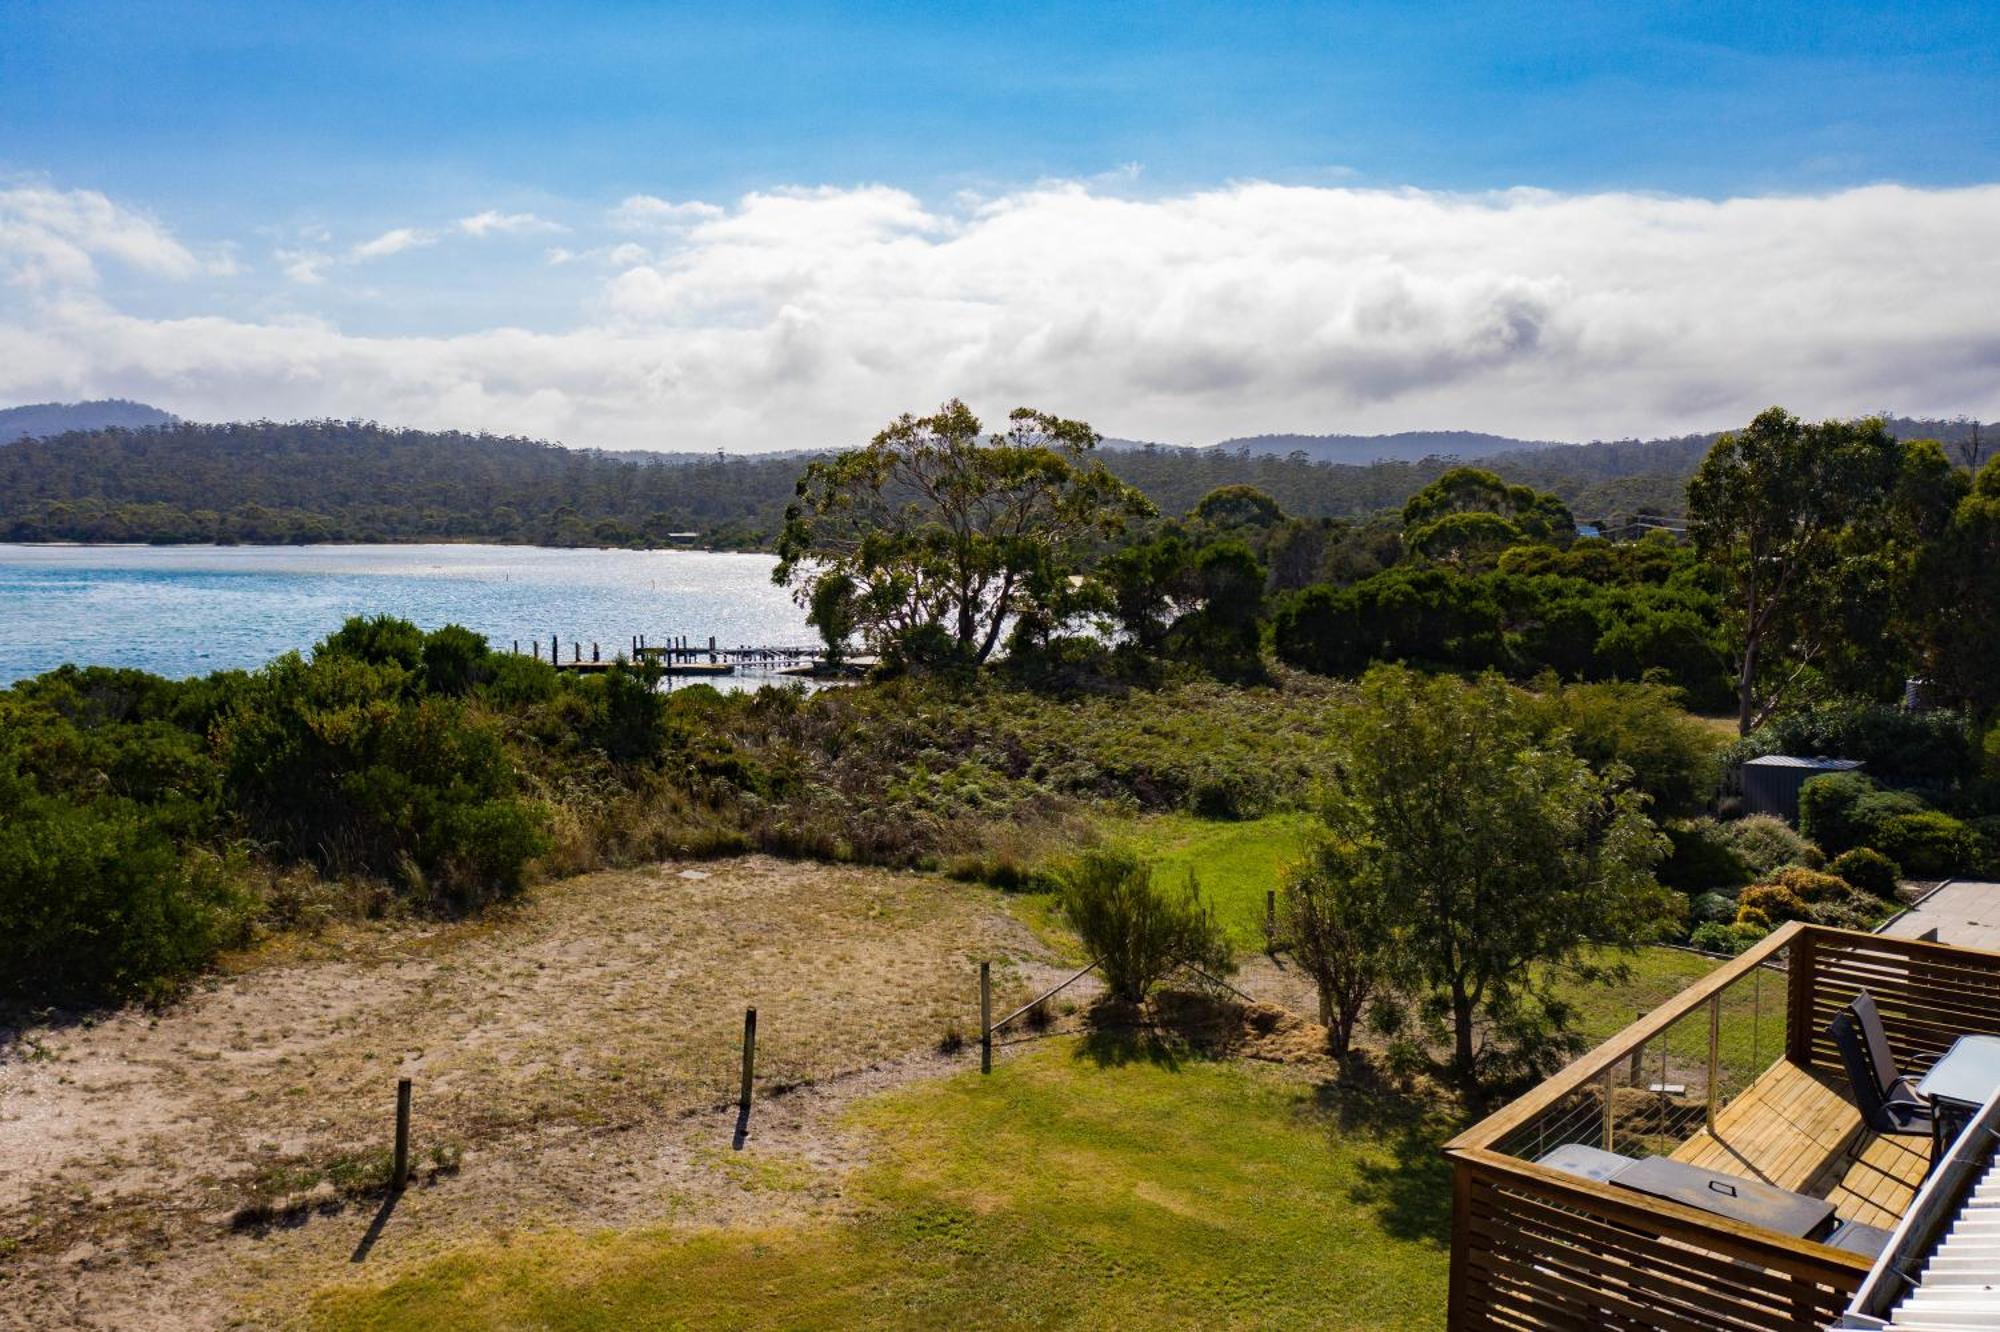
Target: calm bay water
188,610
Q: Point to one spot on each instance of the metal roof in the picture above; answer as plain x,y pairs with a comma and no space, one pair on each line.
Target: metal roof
1941,1269
1816,764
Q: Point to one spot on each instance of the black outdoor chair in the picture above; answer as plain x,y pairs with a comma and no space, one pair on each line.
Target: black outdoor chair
1887,1103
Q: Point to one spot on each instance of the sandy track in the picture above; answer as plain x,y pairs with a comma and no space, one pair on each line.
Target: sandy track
581,1049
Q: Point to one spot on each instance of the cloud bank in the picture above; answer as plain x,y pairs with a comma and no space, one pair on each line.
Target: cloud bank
810,316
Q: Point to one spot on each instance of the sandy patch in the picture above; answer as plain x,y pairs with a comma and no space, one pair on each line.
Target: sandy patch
582,1052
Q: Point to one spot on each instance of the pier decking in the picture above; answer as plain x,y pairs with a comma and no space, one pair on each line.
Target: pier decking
679,656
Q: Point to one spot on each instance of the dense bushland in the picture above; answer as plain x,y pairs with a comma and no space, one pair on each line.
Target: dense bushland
152,821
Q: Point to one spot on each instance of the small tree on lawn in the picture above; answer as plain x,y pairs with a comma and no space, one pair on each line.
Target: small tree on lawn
1137,931
1505,861
1338,923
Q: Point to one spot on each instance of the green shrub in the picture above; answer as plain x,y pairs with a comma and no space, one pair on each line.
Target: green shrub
1844,811
1711,937
515,681
1798,893
1769,903
1808,885
1826,809
1868,870
97,903
1138,932
379,640
1721,937
1671,756
1710,907
332,762
1927,843
1927,748
1986,832
1765,844
624,714
1703,857
1222,794
455,660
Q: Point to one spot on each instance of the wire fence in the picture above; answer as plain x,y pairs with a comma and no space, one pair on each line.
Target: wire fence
1664,1087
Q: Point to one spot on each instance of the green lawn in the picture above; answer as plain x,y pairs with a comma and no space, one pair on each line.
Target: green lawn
1752,1034
1084,1185
1236,863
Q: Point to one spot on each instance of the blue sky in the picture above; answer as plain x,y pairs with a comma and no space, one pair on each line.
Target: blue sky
283,148
260,106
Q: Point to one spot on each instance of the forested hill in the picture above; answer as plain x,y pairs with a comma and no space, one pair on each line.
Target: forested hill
1594,483
53,418
1605,479
358,481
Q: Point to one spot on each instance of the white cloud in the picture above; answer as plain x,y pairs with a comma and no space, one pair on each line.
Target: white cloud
51,236
802,317
392,242
492,222
305,267
645,212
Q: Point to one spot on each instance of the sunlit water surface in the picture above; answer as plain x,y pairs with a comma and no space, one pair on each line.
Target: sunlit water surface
188,610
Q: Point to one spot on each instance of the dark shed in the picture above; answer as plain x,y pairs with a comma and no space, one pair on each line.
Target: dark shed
1771,783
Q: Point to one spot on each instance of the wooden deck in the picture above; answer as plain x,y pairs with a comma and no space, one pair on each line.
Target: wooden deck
1795,1128
1537,1248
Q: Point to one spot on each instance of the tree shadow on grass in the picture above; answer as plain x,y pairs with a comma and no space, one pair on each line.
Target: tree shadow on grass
1115,1047
1411,1191
1165,1031
1176,1025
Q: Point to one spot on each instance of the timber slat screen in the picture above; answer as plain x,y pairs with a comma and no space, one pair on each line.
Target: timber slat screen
1929,994
1546,1253
1536,1248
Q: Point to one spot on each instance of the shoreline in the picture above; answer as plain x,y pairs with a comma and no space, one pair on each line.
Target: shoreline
387,541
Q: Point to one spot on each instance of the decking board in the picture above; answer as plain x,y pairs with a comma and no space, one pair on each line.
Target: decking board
1796,1129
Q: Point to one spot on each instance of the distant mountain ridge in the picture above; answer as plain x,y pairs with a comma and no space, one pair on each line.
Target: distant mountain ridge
1361,450
54,418
1417,445
1405,446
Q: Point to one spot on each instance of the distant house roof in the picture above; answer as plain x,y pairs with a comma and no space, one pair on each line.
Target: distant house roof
1816,764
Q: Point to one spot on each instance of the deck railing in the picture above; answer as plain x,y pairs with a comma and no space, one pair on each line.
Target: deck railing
1534,1247
1661,1080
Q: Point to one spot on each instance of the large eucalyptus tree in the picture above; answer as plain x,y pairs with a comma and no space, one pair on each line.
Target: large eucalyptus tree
936,536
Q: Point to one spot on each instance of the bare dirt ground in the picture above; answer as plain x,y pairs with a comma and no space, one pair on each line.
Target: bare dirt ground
208,1165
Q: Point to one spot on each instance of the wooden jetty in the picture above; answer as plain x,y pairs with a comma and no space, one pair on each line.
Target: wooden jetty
678,668
681,656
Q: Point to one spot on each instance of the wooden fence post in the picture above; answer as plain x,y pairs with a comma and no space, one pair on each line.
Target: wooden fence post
749,1057
1610,1122
985,1017
402,1167
1799,985
1714,1055
1270,918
